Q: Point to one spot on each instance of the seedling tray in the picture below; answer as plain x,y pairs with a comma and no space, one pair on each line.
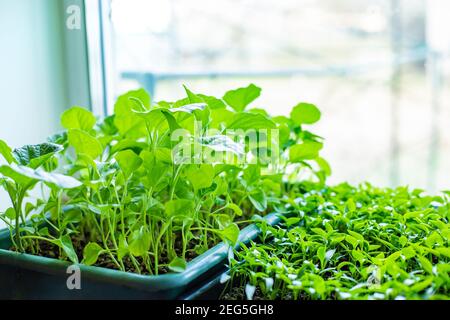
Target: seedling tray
25,276
210,289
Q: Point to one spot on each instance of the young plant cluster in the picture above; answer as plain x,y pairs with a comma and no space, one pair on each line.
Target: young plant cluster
113,194
349,243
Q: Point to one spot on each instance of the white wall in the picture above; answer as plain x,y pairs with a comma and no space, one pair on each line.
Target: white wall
33,90
32,87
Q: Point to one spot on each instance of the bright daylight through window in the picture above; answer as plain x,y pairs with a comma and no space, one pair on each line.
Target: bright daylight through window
208,153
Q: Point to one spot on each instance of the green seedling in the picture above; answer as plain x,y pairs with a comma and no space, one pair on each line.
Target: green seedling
351,243
155,184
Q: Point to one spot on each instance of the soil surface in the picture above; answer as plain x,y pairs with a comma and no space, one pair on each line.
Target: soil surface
49,250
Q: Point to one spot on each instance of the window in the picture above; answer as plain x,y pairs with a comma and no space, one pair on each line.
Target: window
377,69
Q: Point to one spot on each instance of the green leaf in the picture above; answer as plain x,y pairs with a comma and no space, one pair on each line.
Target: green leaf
212,102
352,240
139,241
221,118
44,232
155,170
24,176
237,211
252,174
433,239
246,120
409,252
84,143
444,251
65,243
240,98
192,97
163,155
179,207
122,249
305,113
107,125
309,150
202,113
15,173
189,108
358,255
351,206
127,122
321,255
128,161
6,152
91,253
222,143
231,233
223,220
124,144
157,118
261,111
403,240
415,214
199,110
10,213
422,285
356,234
78,118
178,265
35,155
323,165
258,199
292,221
426,264
201,176
320,232
72,214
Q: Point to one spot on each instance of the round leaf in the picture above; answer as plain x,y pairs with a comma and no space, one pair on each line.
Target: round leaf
84,143
91,253
305,113
177,265
78,118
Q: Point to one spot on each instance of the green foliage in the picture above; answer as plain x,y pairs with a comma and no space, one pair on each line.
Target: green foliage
24,176
78,118
246,120
352,243
177,265
91,253
240,98
84,143
117,189
308,150
128,161
6,151
114,190
35,155
305,113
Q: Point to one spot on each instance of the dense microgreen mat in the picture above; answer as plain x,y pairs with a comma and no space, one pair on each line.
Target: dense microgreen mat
157,183
349,242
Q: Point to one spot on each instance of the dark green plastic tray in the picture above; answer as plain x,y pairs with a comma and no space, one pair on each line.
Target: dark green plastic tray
25,276
211,289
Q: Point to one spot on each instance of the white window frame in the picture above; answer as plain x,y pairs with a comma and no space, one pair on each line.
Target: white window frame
88,57
99,51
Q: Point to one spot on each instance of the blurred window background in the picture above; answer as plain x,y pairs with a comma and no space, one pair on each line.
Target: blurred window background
378,70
